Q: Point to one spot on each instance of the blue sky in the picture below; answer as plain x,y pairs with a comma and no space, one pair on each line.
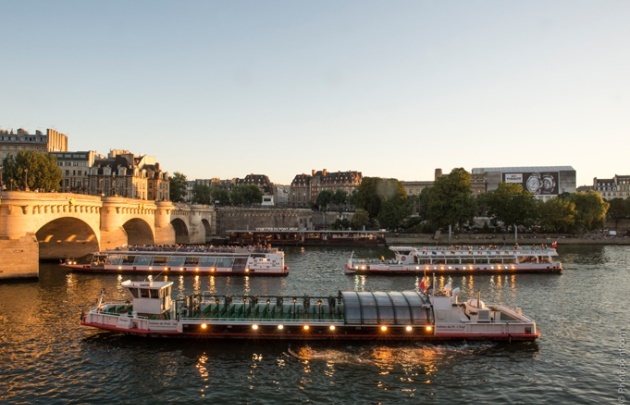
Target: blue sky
389,88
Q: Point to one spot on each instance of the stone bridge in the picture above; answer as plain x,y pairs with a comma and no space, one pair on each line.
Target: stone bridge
47,226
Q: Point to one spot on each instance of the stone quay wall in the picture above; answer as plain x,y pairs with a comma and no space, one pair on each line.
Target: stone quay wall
237,218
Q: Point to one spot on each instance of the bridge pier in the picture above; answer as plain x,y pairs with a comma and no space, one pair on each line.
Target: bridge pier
19,258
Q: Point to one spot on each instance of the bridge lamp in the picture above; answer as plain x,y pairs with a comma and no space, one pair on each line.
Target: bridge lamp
332,328
383,328
408,328
255,327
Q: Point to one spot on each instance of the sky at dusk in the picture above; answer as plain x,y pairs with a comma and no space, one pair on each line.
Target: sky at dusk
392,89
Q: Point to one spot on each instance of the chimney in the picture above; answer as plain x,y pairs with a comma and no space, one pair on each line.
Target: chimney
438,173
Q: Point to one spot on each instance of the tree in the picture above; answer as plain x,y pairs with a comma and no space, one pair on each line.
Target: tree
32,170
393,212
246,194
450,200
177,186
510,204
423,203
591,210
367,198
556,215
201,194
360,219
619,209
324,198
340,199
220,195
373,191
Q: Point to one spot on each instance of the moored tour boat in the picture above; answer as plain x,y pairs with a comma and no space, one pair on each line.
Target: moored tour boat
224,261
349,315
459,260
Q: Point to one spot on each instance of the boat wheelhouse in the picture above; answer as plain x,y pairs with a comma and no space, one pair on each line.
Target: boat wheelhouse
348,315
459,260
219,261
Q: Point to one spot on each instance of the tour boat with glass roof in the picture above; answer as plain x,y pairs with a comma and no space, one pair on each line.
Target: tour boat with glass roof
220,261
460,260
346,315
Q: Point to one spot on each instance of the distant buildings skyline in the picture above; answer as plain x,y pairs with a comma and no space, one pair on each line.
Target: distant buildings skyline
92,172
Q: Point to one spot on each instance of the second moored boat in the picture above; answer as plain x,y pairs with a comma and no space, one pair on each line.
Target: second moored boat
459,260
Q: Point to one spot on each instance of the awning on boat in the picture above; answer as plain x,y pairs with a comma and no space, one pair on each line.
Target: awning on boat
384,308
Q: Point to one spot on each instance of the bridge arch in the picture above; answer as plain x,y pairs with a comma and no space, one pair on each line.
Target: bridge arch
207,228
66,237
138,232
182,236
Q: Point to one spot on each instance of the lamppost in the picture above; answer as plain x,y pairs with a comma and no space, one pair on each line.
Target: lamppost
26,180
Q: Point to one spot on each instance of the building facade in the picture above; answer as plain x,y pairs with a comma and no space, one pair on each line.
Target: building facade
75,168
616,187
544,182
305,188
126,175
259,180
11,143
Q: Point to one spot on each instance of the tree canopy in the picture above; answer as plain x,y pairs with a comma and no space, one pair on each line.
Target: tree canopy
31,170
450,199
385,200
246,194
201,194
512,205
590,210
556,215
619,209
177,187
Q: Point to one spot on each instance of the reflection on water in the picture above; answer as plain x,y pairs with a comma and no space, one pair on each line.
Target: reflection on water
48,357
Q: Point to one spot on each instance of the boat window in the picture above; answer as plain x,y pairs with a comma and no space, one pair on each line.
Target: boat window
144,293
415,300
224,262
176,260
369,308
128,259
239,263
115,259
142,260
191,261
351,307
134,292
160,260
386,312
207,261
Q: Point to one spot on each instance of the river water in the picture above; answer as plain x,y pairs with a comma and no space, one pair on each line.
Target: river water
582,357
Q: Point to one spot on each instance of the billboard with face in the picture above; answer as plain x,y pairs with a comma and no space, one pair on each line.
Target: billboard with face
537,183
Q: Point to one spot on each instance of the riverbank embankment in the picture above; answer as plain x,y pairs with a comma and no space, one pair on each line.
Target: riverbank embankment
503,239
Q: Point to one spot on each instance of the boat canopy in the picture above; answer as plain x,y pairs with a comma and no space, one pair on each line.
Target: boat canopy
389,308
